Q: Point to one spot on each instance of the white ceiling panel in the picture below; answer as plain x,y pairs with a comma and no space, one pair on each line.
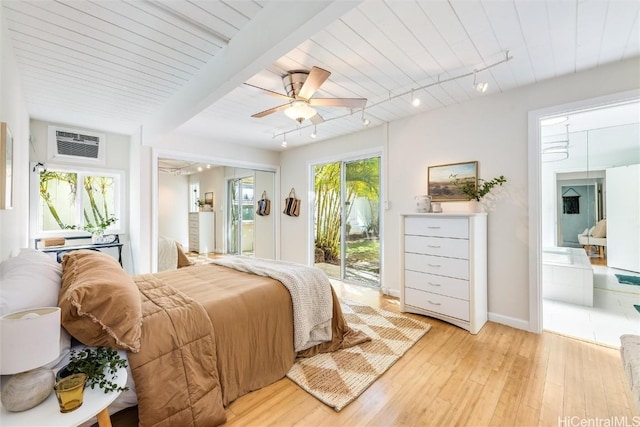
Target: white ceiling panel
117,65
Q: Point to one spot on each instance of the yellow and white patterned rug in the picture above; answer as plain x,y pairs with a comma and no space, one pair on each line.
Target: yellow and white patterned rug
337,378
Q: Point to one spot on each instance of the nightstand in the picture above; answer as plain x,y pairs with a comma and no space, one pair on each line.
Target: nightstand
94,403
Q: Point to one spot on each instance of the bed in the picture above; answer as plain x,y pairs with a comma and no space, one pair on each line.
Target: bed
196,338
171,254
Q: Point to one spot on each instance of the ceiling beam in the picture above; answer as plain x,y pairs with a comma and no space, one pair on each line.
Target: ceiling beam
277,29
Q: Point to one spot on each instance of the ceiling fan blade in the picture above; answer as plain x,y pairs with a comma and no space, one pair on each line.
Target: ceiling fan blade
339,102
317,119
271,110
268,92
314,80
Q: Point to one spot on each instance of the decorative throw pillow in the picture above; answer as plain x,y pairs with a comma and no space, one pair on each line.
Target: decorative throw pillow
600,229
100,303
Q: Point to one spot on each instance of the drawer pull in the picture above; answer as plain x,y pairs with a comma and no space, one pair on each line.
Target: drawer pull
434,228
433,246
435,265
435,284
434,303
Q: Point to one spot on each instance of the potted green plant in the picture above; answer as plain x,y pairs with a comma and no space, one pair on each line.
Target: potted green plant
95,362
475,193
97,229
483,188
200,204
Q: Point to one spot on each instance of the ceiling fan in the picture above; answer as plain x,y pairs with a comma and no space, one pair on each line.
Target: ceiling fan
300,87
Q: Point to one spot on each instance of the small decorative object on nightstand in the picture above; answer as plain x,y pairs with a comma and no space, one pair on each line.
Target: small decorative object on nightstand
30,339
95,403
70,391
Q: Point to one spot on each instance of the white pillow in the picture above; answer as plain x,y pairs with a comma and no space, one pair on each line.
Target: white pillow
29,280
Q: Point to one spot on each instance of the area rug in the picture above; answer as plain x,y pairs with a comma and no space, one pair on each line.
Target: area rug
628,280
337,378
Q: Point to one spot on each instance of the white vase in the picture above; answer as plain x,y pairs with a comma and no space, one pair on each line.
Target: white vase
475,206
97,237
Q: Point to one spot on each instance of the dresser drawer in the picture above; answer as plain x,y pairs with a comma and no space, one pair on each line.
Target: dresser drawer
441,266
448,286
437,227
438,246
448,306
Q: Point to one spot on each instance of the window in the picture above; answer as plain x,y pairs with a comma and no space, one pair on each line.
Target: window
76,199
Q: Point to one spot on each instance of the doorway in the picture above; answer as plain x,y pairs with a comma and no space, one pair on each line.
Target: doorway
347,220
597,139
240,216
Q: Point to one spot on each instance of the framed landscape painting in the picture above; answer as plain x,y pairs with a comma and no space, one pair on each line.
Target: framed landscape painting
6,167
440,180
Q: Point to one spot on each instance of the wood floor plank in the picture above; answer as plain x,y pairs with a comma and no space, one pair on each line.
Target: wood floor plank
501,376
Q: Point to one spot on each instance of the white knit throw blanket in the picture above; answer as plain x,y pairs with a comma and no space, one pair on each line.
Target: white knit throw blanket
310,294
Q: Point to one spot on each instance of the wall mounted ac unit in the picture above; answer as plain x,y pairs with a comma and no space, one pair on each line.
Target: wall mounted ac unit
76,146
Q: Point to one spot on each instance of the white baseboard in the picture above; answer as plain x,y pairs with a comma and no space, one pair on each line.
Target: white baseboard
391,292
510,321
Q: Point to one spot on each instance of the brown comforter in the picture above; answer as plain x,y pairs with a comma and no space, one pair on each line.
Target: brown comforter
211,334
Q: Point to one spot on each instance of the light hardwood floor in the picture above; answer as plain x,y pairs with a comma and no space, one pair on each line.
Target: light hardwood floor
502,376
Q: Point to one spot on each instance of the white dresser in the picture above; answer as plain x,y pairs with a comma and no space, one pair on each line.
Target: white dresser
202,232
444,267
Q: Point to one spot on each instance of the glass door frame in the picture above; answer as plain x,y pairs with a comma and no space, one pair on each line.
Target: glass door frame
351,157
237,180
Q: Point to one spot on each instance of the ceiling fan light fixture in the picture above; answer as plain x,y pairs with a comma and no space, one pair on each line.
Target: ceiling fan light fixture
300,111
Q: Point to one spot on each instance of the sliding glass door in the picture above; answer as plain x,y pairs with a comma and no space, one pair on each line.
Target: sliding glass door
240,216
347,220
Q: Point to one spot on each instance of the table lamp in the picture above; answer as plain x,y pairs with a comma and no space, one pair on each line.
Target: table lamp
29,339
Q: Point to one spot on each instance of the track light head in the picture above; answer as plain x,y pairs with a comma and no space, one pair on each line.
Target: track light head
479,86
314,134
482,87
415,101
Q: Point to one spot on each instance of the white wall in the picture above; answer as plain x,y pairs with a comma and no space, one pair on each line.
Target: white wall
265,226
173,212
14,223
493,130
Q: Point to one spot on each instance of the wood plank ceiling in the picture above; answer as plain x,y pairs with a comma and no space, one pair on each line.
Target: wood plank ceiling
116,65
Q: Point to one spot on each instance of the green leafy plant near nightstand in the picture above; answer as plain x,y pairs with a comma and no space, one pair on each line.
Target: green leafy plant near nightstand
95,362
472,192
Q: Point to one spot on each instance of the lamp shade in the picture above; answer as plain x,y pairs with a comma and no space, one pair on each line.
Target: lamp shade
29,339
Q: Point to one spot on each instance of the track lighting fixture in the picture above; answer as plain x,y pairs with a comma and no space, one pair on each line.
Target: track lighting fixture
480,86
365,122
284,141
415,101
315,132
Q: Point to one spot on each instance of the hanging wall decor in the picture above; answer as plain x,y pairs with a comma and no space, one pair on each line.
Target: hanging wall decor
292,204
571,202
264,205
